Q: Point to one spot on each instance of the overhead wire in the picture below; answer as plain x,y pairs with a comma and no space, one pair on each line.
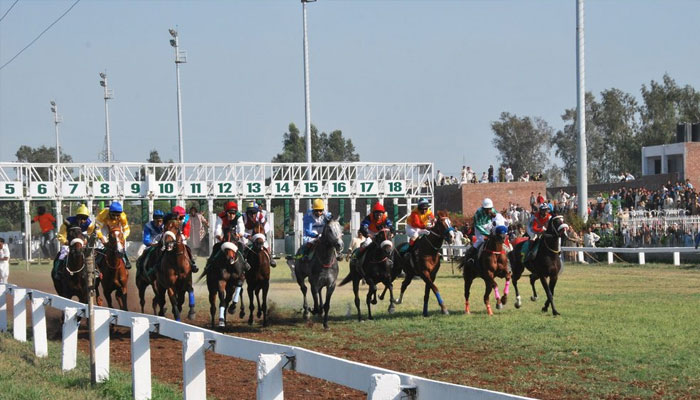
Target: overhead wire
40,35
8,10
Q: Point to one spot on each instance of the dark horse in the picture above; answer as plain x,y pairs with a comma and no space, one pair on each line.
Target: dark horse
492,263
546,264
322,269
114,273
225,272
174,273
258,277
72,280
423,259
376,268
147,265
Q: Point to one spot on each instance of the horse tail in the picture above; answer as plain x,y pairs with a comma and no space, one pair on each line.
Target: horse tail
462,261
204,273
346,279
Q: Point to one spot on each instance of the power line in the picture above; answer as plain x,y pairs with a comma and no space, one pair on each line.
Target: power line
8,10
41,34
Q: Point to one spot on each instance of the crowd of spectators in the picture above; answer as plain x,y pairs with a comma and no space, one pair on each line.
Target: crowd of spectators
468,175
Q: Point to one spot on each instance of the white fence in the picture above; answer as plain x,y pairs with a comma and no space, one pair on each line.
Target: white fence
271,358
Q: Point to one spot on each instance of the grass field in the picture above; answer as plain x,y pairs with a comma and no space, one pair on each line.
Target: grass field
626,331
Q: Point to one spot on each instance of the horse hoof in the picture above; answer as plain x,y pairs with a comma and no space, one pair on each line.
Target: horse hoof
544,309
250,322
425,314
374,301
241,315
232,309
499,306
259,314
533,298
555,313
518,304
392,310
222,323
306,315
504,300
445,312
191,315
326,327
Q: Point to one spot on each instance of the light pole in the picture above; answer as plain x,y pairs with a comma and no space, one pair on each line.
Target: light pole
180,58
307,100
107,95
581,115
56,120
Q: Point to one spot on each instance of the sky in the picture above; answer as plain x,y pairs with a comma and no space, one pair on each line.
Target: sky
406,80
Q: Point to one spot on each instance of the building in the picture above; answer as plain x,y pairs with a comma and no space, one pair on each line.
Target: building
682,157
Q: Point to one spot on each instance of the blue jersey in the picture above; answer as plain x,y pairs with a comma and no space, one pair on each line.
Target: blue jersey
313,226
73,221
150,231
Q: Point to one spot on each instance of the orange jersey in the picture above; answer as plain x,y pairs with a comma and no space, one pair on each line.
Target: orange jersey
46,222
418,220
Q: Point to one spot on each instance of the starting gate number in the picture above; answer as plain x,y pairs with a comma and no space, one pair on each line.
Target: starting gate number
310,188
166,189
133,189
283,188
395,188
11,189
225,188
74,189
252,188
338,188
196,189
41,189
366,188
104,189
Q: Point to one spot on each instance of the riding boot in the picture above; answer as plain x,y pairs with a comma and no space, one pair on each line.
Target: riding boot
273,264
193,266
127,263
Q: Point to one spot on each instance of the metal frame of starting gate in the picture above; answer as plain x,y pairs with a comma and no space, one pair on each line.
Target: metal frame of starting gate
89,182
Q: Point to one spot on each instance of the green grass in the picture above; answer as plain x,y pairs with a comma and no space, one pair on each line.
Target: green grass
24,376
626,331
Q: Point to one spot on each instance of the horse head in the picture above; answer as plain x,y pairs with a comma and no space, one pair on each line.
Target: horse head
116,237
332,235
169,240
556,227
230,250
258,237
443,227
383,241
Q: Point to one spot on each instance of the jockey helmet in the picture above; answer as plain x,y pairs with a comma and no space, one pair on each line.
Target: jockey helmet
544,207
378,207
501,230
251,206
423,204
318,205
487,203
83,210
231,206
179,211
115,207
158,214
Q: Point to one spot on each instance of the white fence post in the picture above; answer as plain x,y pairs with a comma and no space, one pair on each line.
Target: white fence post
102,324
70,338
610,257
19,314
641,258
41,348
3,308
270,377
580,257
676,258
140,358
193,366
384,387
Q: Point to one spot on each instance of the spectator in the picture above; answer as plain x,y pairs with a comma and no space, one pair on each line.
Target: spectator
533,202
463,177
509,174
198,229
471,175
357,241
484,178
47,223
4,261
501,174
540,199
440,178
525,177
490,176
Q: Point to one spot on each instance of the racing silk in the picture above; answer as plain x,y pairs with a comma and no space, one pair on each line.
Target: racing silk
259,217
482,222
223,225
498,220
86,228
418,220
538,224
313,226
150,231
373,226
184,226
104,221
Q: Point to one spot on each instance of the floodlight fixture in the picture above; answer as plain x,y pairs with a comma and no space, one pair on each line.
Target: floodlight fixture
173,32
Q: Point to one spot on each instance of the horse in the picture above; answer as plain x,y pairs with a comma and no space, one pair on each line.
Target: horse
376,268
491,263
546,264
174,273
423,259
225,273
113,270
258,277
72,280
146,276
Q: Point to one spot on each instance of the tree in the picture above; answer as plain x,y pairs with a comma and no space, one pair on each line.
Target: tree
665,105
522,143
41,154
325,147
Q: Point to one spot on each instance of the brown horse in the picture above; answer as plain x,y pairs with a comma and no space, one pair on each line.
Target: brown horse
111,265
546,264
423,259
147,266
492,263
258,277
174,273
376,267
225,273
72,280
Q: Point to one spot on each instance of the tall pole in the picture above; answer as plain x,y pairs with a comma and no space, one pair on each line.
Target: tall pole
107,95
56,121
179,59
307,96
581,115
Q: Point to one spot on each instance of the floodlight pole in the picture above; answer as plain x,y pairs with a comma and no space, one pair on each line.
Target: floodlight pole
107,95
179,59
56,121
581,115
307,99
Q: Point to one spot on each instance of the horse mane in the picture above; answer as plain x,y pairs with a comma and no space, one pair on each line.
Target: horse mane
442,214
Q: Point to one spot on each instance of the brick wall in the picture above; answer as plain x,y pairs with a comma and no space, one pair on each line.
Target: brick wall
467,198
652,182
692,163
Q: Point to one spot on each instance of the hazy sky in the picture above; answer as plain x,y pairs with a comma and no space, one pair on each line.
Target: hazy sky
405,80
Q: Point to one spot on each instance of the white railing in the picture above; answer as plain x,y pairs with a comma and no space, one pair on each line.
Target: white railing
272,359
458,251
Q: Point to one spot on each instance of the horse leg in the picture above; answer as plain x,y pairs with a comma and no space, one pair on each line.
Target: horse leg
533,279
265,290
504,299
223,301
173,303
356,291
550,293
257,298
251,306
327,305
426,298
429,279
303,288
142,294
487,293
315,296
370,291
381,296
406,281
467,287
190,291
390,287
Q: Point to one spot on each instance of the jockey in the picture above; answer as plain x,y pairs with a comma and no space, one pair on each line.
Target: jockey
536,227
499,220
153,230
375,222
228,220
314,222
254,215
113,217
420,220
483,222
81,219
178,213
